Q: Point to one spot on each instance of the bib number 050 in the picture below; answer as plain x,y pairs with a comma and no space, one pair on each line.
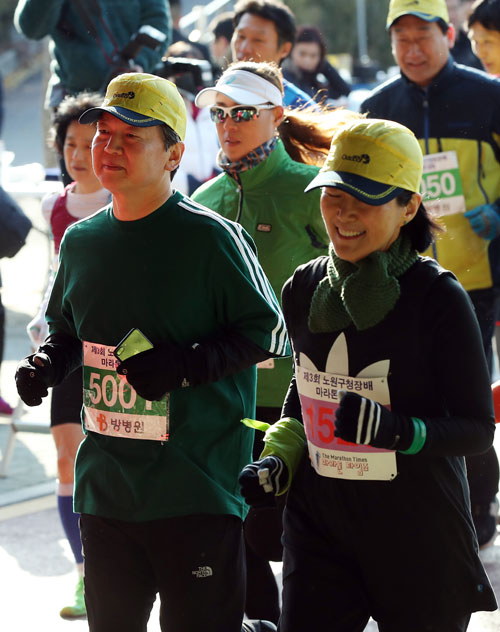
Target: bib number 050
435,185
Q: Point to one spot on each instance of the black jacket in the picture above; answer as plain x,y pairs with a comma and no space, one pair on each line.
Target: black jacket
412,537
324,82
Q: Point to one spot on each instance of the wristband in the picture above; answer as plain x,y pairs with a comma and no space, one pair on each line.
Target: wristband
419,437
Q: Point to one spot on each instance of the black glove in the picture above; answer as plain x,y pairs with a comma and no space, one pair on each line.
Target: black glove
262,480
155,372
33,375
363,421
167,367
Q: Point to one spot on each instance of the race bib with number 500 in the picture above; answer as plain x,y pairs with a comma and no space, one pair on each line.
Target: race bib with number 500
112,407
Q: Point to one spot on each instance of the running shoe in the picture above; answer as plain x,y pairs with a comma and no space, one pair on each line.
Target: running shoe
5,409
77,610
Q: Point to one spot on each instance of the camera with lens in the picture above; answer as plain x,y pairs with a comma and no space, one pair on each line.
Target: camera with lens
189,75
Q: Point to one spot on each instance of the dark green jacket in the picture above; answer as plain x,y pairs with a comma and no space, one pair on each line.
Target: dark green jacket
78,61
286,225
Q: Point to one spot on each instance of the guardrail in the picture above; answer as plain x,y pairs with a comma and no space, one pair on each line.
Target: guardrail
199,16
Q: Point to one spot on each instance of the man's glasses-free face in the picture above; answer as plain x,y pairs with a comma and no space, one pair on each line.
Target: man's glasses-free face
238,113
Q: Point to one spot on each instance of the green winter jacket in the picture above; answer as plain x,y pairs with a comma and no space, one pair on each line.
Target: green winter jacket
78,61
287,227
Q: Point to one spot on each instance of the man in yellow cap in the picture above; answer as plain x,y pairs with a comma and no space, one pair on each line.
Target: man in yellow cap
454,111
156,475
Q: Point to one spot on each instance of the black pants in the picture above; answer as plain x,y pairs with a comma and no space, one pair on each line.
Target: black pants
483,469
326,596
195,563
325,585
263,528
319,596
484,302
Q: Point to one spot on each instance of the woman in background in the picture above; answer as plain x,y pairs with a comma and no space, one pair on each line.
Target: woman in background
308,68
79,199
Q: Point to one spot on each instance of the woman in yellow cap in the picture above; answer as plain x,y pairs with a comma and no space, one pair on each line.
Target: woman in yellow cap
390,390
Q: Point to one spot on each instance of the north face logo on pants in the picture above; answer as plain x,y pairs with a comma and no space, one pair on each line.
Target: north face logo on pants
203,571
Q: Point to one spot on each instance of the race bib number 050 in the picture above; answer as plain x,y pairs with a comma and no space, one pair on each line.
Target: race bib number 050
112,407
441,189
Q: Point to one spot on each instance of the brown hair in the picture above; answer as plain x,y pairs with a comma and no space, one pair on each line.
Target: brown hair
268,70
307,132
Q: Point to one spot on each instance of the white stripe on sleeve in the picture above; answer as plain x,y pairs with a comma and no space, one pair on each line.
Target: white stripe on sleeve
259,279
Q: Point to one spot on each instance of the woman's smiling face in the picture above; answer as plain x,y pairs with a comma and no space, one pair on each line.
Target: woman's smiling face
357,229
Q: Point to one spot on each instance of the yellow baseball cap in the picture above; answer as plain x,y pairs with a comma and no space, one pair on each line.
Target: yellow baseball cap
142,100
428,10
373,160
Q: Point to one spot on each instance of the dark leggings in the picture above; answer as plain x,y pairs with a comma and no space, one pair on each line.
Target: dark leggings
262,529
66,400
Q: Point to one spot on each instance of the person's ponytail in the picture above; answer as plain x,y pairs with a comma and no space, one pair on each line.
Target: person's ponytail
307,132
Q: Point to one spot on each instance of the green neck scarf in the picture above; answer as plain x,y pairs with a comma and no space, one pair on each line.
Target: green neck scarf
361,293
